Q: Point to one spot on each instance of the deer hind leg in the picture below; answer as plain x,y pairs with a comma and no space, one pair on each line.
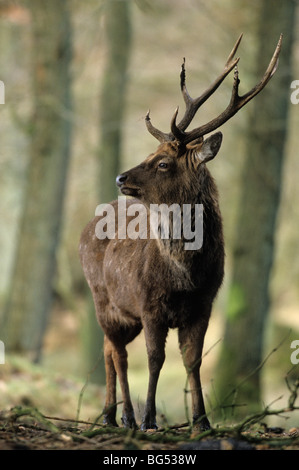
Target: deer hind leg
116,363
191,344
110,405
155,336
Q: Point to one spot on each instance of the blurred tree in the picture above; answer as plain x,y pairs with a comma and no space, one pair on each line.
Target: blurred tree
118,32
14,57
29,302
113,94
253,250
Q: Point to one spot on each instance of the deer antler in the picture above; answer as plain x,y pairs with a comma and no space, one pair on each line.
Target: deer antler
192,105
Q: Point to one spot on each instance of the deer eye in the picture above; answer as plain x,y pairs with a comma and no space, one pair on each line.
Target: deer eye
163,165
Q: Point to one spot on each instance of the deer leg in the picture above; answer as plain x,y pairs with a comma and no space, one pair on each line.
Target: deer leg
191,345
121,365
110,404
155,337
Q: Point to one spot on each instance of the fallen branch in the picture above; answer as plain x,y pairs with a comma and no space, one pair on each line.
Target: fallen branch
19,411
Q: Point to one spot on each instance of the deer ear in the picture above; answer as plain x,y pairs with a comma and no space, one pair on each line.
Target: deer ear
209,148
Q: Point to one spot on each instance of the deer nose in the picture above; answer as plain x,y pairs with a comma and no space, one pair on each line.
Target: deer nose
121,179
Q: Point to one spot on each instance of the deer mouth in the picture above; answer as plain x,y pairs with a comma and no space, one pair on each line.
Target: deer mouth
130,191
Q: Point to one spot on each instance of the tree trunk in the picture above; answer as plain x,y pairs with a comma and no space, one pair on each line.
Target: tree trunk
112,110
29,303
14,57
118,35
248,304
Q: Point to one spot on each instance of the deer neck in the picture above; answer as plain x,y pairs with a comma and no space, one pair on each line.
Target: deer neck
179,231
190,227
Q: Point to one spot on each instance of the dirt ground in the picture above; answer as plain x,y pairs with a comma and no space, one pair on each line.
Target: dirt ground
29,430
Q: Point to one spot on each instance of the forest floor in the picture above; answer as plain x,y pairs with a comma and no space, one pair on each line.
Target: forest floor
25,428
48,408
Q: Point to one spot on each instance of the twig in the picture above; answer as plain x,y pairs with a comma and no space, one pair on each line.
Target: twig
103,412
254,371
239,428
68,420
294,390
85,386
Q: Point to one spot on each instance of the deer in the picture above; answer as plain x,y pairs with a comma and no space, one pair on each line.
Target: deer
152,283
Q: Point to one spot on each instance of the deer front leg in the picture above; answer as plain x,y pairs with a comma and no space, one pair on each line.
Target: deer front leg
155,337
191,344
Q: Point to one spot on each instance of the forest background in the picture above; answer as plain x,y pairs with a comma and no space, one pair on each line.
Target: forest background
79,78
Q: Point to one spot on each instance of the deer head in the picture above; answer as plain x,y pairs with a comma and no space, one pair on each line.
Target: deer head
181,154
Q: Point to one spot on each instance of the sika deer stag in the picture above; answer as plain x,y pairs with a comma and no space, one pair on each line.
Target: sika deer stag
155,283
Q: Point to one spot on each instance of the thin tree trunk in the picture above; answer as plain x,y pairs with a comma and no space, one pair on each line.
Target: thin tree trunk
29,303
117,19
254,246
118,35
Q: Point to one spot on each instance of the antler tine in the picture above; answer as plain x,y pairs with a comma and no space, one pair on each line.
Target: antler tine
161,136
234,50
236,102
192,105
272,67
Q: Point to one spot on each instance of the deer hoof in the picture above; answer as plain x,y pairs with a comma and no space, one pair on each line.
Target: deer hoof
202,424
145,426
128,421
109,421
